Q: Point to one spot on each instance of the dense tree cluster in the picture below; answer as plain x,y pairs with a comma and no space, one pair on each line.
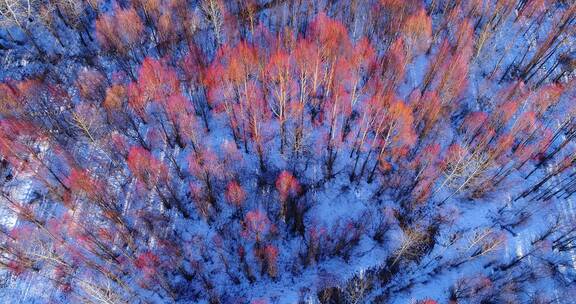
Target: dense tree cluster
159,151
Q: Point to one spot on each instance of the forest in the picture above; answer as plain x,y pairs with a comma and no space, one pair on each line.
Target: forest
288,151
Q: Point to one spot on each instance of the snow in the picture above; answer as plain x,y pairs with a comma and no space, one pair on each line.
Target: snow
338,201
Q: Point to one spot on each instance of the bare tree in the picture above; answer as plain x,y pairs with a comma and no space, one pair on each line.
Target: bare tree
214,11
19,13
357,289
413,243
16,12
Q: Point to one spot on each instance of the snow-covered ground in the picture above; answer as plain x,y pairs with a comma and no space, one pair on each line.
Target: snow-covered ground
475,242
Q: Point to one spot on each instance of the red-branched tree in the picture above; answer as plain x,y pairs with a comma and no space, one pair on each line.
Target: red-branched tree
279,78
146,169
235,194
417,30
257,226
288,187
121,32
271,260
